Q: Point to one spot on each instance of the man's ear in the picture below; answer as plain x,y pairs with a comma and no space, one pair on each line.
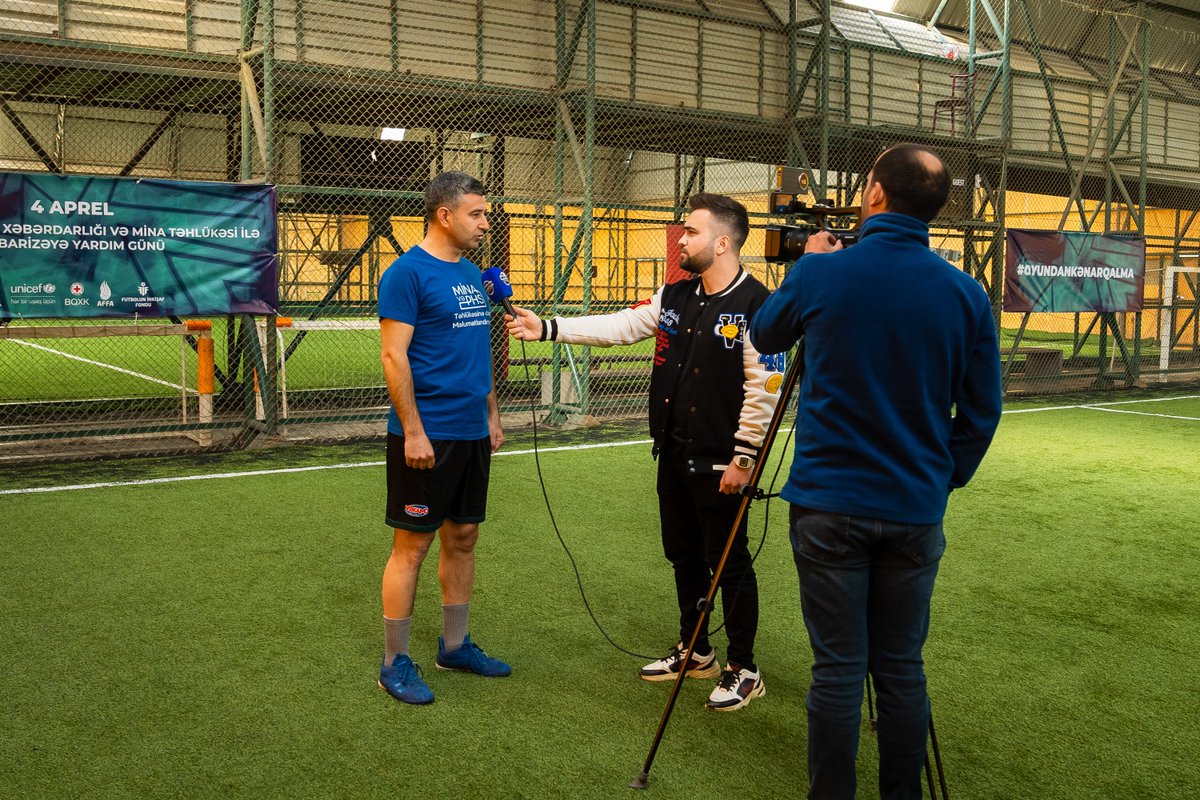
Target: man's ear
876,196
722,244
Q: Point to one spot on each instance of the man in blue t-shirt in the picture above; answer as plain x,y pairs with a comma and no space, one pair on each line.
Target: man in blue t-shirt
898,404
444,425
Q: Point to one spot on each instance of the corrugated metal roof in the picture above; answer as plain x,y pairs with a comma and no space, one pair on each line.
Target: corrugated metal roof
1074,26
867,27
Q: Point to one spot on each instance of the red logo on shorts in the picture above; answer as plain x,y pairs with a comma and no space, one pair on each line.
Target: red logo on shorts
414,510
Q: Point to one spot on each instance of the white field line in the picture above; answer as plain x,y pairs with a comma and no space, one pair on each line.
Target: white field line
1141,413
1101,406
564,448
286,470
100,364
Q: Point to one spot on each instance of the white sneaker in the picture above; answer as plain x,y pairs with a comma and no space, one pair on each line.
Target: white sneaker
667,668
736,688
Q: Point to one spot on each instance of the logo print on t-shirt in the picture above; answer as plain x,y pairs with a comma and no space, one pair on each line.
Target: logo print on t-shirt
469,297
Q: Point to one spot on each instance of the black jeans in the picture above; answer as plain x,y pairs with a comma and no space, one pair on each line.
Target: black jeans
696,521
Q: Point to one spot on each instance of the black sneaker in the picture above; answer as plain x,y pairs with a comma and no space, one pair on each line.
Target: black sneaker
736,688
667,668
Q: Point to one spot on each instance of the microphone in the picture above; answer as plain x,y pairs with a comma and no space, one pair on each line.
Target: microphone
498,289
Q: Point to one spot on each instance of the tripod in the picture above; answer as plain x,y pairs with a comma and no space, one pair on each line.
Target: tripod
933,743
749,493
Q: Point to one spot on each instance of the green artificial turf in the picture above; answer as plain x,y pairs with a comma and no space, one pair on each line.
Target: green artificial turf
221,638
52,370
118,366
1065,340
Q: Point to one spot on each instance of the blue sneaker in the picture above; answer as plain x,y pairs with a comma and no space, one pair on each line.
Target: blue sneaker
403,681
470,658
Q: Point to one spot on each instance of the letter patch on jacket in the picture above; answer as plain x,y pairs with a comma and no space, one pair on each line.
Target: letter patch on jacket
731,328
668,320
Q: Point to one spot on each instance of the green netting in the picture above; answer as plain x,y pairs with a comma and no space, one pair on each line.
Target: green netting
590,123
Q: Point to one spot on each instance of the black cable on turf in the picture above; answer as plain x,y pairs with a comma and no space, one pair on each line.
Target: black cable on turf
554,523
570,556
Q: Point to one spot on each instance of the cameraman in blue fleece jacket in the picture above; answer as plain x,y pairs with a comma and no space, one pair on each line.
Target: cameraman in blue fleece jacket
899,400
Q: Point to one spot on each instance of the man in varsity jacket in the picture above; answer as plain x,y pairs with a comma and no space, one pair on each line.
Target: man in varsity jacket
711,398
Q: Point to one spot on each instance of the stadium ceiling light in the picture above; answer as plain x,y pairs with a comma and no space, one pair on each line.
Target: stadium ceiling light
393,134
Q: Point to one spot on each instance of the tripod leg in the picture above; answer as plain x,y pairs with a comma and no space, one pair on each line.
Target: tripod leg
871,718
937,757
641,781
937,753
785,392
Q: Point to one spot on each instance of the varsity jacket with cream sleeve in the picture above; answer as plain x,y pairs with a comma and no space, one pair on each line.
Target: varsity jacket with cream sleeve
711,393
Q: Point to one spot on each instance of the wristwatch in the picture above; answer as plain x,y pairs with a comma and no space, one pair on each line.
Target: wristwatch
743,462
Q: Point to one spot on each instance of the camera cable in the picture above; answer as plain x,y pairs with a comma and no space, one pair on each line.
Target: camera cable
571,557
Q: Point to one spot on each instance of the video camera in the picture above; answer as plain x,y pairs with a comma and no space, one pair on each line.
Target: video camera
785,243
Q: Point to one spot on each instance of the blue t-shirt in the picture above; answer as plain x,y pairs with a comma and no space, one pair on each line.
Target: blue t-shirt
450,352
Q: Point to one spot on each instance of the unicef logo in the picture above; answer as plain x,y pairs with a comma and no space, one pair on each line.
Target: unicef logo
49,288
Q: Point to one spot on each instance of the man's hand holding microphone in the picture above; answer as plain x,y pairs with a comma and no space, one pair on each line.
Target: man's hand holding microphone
521,323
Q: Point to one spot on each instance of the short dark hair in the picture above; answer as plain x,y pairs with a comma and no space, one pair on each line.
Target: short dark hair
447,189
728,212
912,186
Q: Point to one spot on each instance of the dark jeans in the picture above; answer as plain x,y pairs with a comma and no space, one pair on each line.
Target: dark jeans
696,521
865,587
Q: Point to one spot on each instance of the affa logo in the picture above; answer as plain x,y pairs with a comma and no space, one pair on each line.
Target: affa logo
416,510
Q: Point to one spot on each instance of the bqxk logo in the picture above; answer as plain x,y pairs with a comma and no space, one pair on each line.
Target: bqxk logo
76,289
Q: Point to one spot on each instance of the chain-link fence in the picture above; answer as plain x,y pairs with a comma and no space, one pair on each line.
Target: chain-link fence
590,122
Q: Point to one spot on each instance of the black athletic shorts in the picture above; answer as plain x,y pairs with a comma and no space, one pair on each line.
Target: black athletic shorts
455,489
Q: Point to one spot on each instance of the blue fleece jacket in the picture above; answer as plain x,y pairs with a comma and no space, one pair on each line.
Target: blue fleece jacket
900,394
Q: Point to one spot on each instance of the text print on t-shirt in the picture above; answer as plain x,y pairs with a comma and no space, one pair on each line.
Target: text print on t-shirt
472,306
